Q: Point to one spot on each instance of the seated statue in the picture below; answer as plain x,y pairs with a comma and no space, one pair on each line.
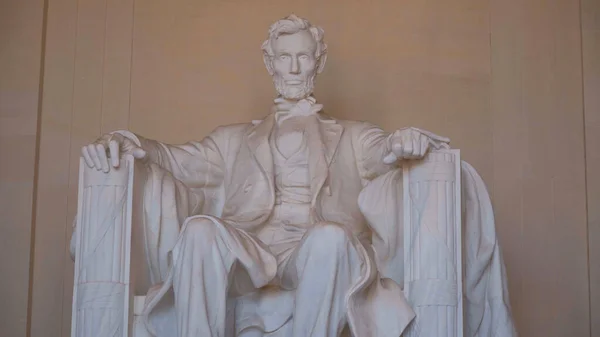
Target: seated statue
268,214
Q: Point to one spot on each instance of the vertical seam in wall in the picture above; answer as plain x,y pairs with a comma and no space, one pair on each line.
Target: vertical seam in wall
491,96
103,68
36,162
585,171
131,65
70,149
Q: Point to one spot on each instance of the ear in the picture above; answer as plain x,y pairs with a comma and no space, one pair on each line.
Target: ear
268,63
321,62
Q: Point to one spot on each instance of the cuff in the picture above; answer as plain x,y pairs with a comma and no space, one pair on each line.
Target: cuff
130,135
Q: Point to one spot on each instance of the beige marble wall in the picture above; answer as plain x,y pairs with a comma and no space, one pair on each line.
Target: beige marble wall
21,28
503,79
590,24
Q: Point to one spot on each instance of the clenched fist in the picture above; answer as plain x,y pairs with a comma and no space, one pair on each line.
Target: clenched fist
111,146
413,143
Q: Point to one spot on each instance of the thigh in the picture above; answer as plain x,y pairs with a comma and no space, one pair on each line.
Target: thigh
328,240
252,264
282,241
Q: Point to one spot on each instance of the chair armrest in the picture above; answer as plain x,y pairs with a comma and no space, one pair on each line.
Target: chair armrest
433,244
109,206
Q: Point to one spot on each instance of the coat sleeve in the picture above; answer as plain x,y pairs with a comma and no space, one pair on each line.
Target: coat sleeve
198,164
371,145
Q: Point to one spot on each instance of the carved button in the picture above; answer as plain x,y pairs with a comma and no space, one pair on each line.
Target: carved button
247,188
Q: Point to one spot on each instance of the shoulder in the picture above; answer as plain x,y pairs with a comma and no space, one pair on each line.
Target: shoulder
237,127
356,128
227,137
230,130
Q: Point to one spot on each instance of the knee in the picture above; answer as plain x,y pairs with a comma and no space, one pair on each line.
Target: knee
200,231
328,236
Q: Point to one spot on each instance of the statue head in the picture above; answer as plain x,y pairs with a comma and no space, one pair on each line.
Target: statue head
294,53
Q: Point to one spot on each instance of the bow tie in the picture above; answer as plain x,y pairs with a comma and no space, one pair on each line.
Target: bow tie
285,109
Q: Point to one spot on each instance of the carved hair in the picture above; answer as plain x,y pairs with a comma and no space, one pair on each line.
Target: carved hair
291,25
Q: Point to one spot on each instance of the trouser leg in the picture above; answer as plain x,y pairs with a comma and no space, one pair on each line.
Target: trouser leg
201,280
323,268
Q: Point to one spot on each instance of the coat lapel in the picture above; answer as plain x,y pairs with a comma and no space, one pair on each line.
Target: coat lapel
323,142
324,137
331,133
258,142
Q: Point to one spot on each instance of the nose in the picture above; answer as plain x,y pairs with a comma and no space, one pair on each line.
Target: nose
294,67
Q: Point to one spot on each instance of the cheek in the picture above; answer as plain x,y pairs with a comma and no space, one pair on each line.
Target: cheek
309,67
280,67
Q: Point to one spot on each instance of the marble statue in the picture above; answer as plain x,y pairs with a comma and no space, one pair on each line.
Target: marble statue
287,226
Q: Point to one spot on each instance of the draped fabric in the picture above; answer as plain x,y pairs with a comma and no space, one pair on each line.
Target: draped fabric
487,309
373,305
485,293
168,203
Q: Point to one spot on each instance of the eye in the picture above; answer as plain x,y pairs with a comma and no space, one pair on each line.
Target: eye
284,57
303,57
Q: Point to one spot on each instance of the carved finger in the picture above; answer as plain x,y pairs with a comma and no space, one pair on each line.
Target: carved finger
94,154
86,156
407,149
424,142
416,148
113,145
390,158
139,153
398,148
102,155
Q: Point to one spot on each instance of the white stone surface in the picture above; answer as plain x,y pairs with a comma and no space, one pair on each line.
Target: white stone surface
256,229
102,298
432,241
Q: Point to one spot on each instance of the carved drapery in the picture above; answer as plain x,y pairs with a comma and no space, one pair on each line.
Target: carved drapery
103,301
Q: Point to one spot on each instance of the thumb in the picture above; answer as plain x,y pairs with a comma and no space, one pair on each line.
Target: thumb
139,153
390,158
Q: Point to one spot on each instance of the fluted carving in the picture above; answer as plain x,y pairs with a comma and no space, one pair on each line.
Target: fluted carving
432,243
102,301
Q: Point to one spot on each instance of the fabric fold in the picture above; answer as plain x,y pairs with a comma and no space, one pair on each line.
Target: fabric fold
375,300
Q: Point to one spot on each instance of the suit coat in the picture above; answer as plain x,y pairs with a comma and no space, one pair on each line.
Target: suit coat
233,173
233,168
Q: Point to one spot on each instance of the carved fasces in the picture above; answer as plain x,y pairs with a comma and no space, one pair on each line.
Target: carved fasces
102,298
432,244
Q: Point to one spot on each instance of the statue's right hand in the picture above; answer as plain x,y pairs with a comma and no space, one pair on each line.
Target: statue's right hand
97,154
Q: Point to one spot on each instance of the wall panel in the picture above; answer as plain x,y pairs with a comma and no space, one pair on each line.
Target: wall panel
86,93
590,23
502,79
539,174
56,125
21,31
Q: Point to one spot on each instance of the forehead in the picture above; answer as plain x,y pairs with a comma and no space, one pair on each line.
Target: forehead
299,42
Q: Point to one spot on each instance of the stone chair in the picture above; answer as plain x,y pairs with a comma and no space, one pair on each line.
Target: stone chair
431,263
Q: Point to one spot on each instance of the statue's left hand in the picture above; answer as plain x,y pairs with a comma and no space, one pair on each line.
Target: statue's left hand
413,143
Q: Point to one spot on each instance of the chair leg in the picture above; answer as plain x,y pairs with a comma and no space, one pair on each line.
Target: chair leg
138,326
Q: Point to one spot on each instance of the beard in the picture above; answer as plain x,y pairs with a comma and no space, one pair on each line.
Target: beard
295,92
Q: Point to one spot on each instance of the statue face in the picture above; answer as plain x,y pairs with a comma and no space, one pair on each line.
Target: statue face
294,65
